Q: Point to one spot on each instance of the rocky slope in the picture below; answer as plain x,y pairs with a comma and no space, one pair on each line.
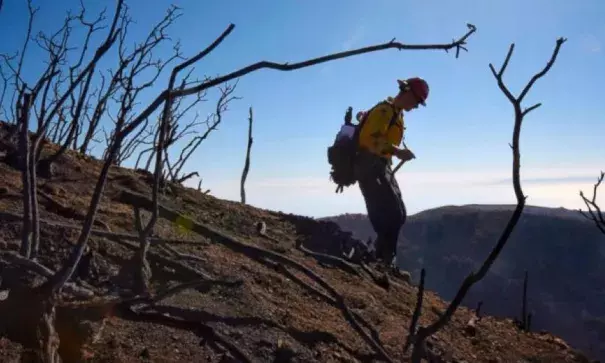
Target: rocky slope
563,253
256,305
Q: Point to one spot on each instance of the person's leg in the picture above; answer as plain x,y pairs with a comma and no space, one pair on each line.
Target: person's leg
384,204
394,208
370,189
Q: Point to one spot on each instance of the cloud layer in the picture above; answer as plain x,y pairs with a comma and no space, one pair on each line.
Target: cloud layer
315,196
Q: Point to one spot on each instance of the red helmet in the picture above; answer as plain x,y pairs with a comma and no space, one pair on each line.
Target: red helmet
418,86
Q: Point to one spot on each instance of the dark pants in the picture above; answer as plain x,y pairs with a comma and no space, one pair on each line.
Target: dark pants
385,207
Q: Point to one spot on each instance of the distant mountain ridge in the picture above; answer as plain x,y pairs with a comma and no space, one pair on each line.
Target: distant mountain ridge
563,253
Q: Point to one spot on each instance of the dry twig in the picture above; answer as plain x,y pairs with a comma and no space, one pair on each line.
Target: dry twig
416,314
596,214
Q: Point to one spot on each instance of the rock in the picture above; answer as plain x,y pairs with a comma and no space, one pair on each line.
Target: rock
403,275
261,228
471,326
560,343
145,354
4,294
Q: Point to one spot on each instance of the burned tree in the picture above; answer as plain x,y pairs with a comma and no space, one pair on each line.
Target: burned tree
43,106
525,322
419,345
247,162
30,229
172,169
595,213
66,108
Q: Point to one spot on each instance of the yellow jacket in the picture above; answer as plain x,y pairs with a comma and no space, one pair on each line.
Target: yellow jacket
376,135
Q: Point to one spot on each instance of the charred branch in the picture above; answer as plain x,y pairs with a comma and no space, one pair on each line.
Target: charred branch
524,304
159,100
247,162
186,177
212,122
416,314
425,332
156,36
478,309
595,213
25,160
7,217
199,187
19,83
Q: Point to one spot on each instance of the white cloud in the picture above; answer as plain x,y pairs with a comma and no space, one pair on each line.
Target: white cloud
315,196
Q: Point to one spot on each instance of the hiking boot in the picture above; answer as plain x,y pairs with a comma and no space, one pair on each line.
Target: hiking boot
382,279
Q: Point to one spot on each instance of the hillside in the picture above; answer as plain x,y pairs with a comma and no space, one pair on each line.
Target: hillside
252,306
563,253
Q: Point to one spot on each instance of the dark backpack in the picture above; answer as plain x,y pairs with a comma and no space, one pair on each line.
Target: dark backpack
343,152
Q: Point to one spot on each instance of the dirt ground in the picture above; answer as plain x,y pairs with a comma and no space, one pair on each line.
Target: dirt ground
266,314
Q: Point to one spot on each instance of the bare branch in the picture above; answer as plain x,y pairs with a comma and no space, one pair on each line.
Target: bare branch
171,291
32,13
247,163
315,61
199,187
8,217
184,178
416,314
529,109
289,67
23,107
19,83
474,277
74,122
5,80
596,214
540,74
217,117
90,67
524,317
500,73
27,263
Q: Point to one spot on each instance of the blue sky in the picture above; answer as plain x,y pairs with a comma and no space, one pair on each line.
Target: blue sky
460,139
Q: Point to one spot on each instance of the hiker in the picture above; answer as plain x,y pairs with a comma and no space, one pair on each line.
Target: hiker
381,132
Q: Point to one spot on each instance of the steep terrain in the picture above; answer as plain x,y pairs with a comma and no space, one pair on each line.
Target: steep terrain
254,306
563,253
